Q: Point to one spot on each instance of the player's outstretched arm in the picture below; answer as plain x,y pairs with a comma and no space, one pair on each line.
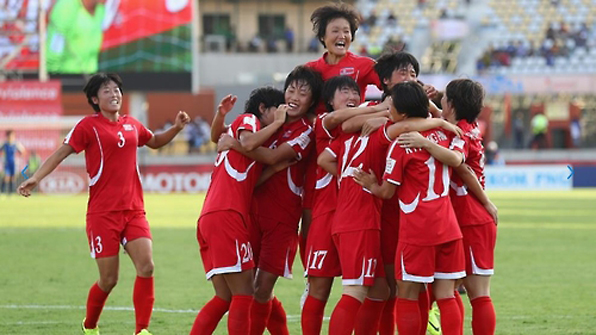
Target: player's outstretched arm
469,177
419,124
413,139
46,168
356,123
218,125
335,118
328,161
261,154
251,141
163,138
368,180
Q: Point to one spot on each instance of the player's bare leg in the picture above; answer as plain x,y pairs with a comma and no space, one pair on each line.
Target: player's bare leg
140,251
483,311
387,324
369,314
451,319
314,305
262,307
98,294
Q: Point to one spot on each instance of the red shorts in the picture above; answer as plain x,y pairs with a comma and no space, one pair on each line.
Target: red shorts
359,254
424,264
277,243
389,237
224,243
323,259
107,230
479,248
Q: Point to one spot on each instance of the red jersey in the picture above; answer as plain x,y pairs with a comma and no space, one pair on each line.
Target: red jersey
280,197
111,160
427,217
358,67
468,209
326,186
234,175
357,208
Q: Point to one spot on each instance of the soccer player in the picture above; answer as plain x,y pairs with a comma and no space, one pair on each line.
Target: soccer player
115,212
9,149
476,214
223,225
430,247
356,225
277,204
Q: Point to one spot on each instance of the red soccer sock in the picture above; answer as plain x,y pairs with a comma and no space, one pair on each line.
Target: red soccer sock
143,298
312,316
259,314
277,324
424,306
239,315
462,309
451,322
344,316
407,316
387,324
484,320
95,302
368,317
209,316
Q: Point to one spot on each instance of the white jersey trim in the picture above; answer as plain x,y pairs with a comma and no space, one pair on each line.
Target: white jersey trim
460,191
478,271
409,208
323,182
93,180
358,281
287,270
416,279
451,275
295,189
228,269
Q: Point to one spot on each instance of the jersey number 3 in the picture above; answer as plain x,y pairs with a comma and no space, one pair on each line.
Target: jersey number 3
121,140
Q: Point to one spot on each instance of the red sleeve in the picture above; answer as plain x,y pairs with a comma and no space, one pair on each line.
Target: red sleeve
323,133
301,142
78,137
460,145
395,163
334,148
144,134
246,122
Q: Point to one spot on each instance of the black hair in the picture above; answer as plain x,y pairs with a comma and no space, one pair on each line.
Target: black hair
390,62
467,98
268,96
304,75
409,98
321,17
9,132
94,84
333,85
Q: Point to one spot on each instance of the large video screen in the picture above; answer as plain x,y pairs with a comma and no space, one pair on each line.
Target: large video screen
101,35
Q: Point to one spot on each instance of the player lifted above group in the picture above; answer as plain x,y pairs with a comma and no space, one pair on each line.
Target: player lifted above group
387,194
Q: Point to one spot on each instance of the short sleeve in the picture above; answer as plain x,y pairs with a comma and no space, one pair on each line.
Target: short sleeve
78,137
247,122
323,133
144,134
334,148
301,143
460,145
394,165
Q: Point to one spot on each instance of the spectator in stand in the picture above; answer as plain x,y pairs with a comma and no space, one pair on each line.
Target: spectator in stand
521,49
493,156
575,131
539,125
391,19
372,19
289,38
313,45
519,130
255,44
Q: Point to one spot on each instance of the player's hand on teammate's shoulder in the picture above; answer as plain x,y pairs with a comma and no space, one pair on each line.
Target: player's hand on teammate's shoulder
25,188
386,104
412,139
452,128
182,119
365,179
431,91
371,125
281,113
226,142
226,104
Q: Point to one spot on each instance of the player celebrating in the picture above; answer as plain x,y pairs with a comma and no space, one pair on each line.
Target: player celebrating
222,229
430,246
9,149
115,212
476,215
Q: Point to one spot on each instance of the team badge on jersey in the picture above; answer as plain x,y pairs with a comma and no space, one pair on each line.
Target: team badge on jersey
346,71
127,127
389,165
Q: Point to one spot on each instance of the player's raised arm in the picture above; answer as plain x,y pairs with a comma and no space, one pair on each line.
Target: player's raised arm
250,141
163,138
46,168
218,125
415,140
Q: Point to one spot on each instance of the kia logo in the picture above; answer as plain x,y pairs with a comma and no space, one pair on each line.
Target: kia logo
63,182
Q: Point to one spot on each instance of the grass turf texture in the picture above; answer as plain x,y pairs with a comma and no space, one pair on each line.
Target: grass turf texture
544,283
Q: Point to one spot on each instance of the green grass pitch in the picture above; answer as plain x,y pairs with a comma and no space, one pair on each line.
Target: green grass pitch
545,280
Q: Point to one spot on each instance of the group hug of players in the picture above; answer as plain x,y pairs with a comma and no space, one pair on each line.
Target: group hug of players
387,195
390,196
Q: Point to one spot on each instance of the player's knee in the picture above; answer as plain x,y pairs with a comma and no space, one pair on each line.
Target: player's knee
320,290
108,282
263,294
380,290
146,269
355,291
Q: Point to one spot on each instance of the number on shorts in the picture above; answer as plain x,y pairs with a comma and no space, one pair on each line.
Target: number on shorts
371,267
98,246
121,140
316,254
246,250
